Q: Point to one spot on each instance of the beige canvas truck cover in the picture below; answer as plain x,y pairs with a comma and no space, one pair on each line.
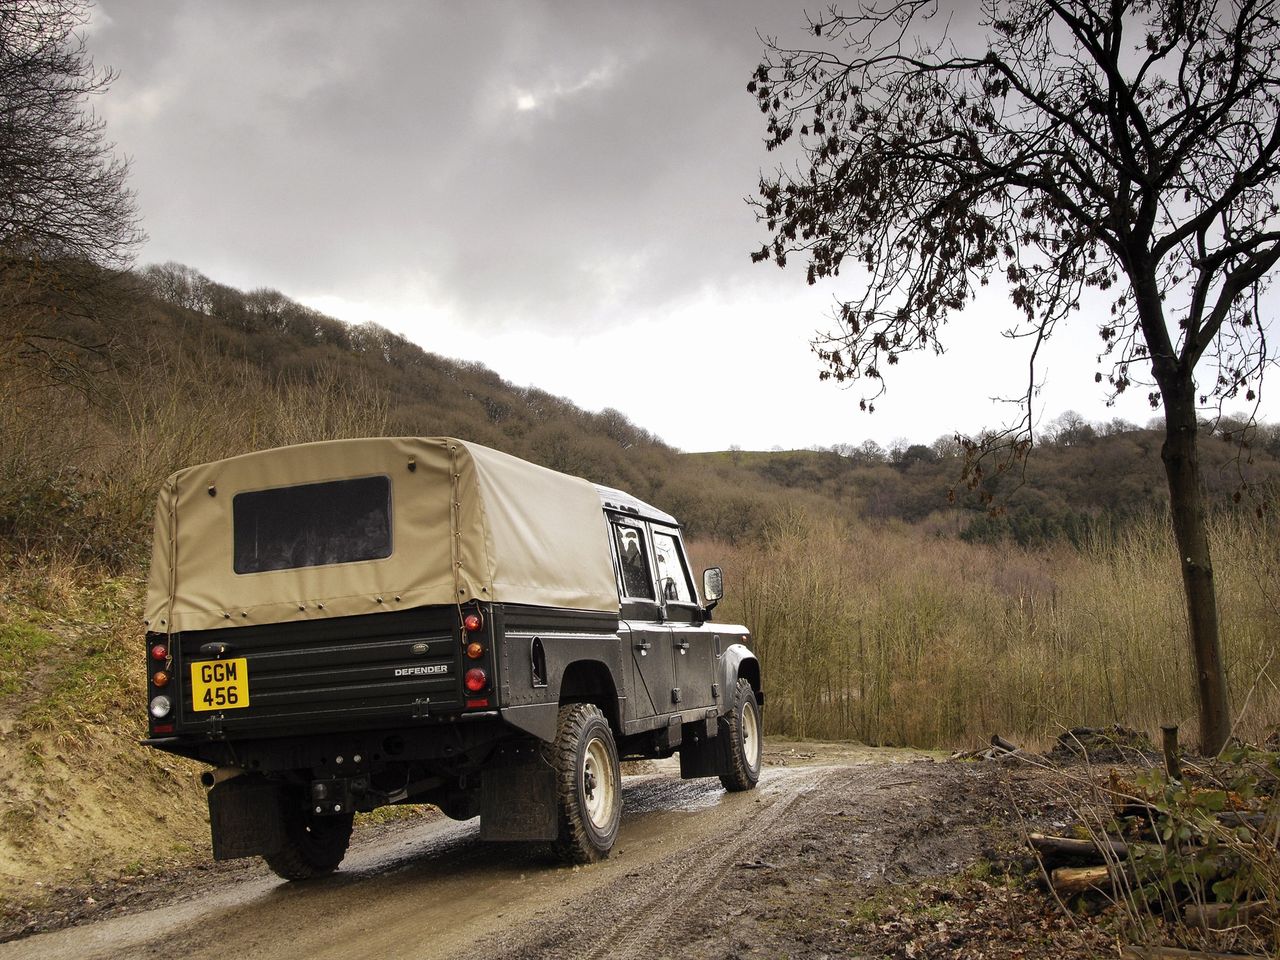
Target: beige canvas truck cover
466,523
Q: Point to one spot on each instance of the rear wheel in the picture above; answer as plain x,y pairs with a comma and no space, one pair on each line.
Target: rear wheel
745,745
313,846
588,784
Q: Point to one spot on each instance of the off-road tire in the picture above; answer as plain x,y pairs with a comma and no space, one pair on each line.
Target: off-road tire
744,744
588,784
313,847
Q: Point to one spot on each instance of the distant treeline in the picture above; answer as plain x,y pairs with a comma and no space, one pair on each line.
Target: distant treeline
1082,480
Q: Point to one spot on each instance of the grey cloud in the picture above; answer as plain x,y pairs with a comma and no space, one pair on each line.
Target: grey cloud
338,146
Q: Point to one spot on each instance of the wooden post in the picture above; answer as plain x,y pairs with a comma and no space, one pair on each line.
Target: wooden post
1171,762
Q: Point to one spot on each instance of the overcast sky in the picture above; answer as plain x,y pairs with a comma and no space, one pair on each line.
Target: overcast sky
553,189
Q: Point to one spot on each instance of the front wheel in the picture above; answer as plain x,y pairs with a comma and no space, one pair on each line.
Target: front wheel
588,784
313,845
745,746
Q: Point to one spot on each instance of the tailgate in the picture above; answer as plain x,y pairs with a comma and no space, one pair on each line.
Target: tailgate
322,674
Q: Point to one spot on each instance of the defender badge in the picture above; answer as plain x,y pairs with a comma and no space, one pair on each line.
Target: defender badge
431,671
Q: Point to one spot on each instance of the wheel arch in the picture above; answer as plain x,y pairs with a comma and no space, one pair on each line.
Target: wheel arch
739,661
589,681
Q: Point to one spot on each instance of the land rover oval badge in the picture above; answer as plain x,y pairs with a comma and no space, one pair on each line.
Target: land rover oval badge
419,649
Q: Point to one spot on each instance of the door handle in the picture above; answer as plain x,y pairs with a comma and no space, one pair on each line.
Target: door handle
643,646
683,645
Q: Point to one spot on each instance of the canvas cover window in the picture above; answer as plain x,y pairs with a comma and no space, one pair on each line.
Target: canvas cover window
312,525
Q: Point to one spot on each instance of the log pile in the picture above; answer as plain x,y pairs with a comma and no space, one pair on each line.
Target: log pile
1112,868
1186,847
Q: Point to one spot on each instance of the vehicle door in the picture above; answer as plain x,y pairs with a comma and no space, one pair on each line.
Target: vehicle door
642,615
694,645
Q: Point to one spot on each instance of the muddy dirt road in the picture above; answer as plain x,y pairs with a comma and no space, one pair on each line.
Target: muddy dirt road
696,873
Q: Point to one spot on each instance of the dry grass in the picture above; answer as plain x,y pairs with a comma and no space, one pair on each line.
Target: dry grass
888,635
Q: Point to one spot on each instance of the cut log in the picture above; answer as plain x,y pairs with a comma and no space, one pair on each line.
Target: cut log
1238,818
1070,881
1071,847
1220,916
1146,813
1003,744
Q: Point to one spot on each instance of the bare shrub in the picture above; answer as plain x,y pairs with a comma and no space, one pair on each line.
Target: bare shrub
882,633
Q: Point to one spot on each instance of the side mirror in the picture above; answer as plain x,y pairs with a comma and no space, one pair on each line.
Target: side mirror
712,586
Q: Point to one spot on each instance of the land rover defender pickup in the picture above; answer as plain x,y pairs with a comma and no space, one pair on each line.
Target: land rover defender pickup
339,626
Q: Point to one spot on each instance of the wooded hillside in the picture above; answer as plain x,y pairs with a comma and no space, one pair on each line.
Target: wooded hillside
872,616
187,369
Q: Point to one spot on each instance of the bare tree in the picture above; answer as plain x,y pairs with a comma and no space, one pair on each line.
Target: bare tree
67,218
1070,429
1129,146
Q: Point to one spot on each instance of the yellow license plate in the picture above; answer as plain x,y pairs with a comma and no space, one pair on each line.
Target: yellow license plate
220,684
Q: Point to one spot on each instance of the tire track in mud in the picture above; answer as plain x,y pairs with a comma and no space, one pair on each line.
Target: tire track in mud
677,885
627,915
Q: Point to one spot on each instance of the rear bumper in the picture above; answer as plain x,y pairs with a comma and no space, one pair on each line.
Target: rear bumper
460,741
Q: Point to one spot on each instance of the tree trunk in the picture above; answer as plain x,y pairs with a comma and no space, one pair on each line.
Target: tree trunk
1186,503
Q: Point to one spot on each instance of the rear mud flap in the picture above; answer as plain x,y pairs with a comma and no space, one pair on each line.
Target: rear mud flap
518,797
246,818
702,750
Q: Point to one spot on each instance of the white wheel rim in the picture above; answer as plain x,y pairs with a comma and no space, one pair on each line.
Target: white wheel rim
599,789
750,737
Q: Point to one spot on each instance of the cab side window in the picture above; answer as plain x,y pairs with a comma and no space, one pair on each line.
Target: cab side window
633,558
673,577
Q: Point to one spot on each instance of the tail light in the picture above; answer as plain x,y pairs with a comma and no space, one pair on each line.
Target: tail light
472,622
475,680
160,706
475,650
